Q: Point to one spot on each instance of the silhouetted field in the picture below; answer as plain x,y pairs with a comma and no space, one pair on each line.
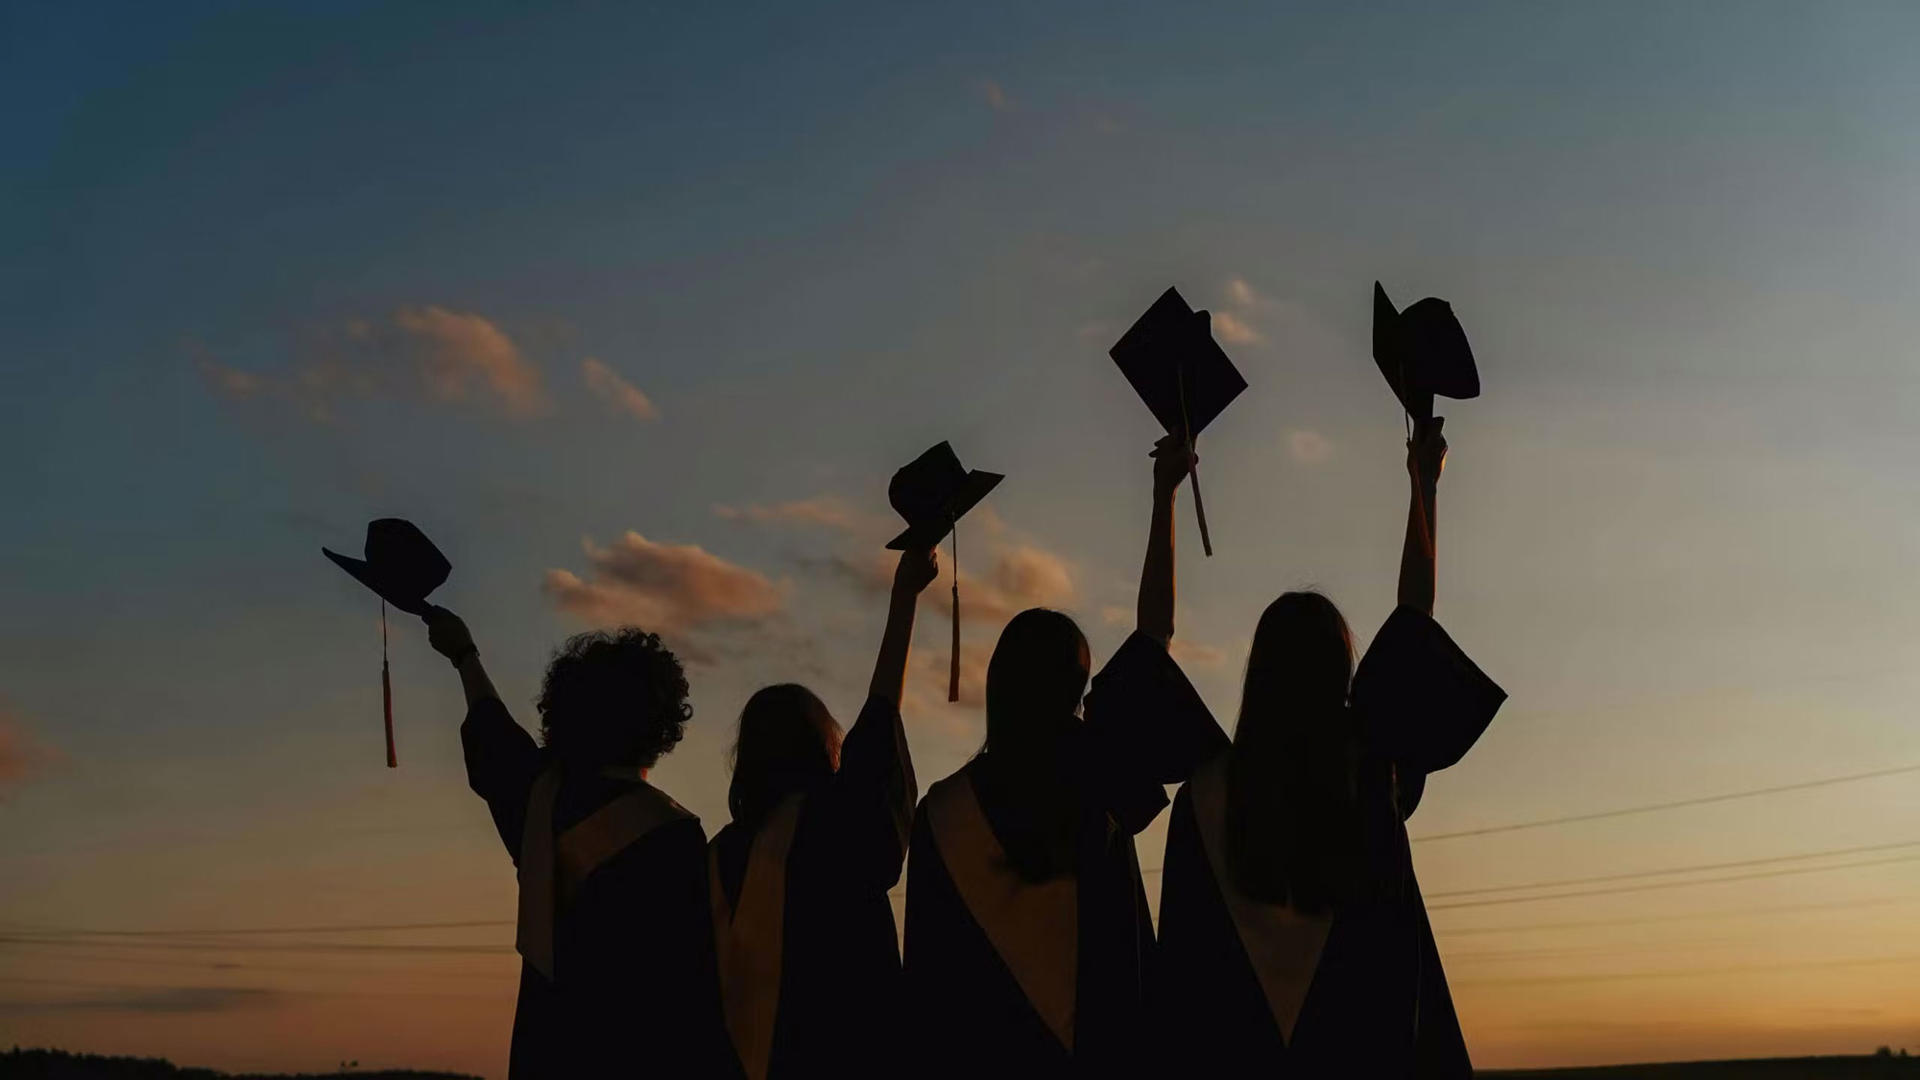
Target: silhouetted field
19,1064
1850,1067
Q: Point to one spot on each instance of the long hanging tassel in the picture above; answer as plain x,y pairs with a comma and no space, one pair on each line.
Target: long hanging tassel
1193,467
953,667
386,687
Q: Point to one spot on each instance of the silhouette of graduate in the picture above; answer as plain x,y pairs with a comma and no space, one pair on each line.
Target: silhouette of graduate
614,931
1294,941
809,955
1028,938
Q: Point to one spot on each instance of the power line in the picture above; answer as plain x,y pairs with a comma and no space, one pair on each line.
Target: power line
1674,805
1721,913
1671,884
1685,973
1696,868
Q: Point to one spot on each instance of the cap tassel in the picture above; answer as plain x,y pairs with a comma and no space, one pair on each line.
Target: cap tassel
386,687
1193,466
953,666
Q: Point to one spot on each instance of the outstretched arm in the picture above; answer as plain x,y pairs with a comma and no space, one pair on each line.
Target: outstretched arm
916,571
1153,615
1426,457
449,636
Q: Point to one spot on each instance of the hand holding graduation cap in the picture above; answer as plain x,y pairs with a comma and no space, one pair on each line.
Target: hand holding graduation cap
448,634
1172,461
1427,451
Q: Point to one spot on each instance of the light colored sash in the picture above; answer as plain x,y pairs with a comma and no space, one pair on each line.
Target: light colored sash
552,870
1284,945
749,938
1034,927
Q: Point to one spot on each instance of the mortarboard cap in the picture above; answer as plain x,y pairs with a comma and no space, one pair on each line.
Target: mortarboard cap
1422,351
932,492
1182,374
402,566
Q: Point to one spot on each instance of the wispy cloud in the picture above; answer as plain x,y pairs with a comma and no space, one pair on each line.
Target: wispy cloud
431,352
824,511
1242,293
23,757
995,97
1308,447
460,353
619,394
672,589
1235,330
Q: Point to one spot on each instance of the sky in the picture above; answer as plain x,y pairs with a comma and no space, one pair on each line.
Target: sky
635,309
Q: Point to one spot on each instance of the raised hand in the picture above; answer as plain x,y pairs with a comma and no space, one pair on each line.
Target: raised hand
1172,461
1427,451
448,634
916,571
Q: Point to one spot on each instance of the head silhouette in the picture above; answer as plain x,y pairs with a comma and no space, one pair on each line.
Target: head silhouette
1034,682
788,741
613,697
1292,827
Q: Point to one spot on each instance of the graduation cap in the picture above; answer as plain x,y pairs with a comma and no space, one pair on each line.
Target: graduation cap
1183,375
1146,727
1422,351
932,492
401,566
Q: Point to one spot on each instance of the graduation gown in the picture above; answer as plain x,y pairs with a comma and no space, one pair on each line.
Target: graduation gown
1362,988
809,954
617,977
1013,978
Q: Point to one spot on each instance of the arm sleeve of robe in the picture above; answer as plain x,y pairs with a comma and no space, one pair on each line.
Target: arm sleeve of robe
1146,727
870,801
502,762
1421,702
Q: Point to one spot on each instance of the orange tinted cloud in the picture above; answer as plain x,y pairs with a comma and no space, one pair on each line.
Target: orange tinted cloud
826,511
667,588
22,757
430,351
619,394
1234,330
459,352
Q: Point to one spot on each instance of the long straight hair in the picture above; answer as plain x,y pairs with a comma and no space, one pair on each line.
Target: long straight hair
1035,679
788,742
1294,825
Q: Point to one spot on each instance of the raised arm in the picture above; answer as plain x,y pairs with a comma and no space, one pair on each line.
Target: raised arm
916,571
1153,615
502,759
1426,457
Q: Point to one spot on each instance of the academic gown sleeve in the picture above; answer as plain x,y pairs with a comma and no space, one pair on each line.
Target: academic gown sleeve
502,763
1146,727
867,808
1420,701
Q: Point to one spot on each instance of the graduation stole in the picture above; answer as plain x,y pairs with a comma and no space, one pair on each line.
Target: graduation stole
1283,945
749,937
552,869
1033,926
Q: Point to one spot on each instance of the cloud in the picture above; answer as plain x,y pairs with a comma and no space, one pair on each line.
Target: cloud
996,98
457,351
618,393
1234,330
23,758
824,511
667,588
156,1000
1194,654
431,352
1308,447
1242,293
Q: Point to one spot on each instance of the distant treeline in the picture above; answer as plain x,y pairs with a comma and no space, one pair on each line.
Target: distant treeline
18,1064
1886,1063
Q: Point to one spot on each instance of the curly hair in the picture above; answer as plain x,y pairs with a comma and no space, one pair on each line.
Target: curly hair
613,697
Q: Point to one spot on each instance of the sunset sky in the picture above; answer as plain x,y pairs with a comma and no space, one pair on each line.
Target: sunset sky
635,311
